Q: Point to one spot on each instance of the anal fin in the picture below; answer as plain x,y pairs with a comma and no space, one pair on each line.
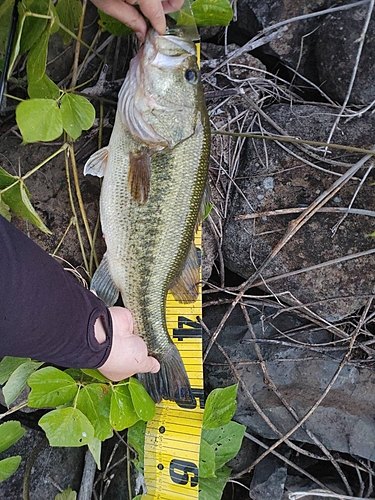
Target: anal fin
185,288
139,176
103,285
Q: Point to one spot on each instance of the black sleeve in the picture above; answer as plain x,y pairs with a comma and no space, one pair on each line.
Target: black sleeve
45,314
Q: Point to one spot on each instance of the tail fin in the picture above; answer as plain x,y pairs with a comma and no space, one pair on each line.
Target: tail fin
171,382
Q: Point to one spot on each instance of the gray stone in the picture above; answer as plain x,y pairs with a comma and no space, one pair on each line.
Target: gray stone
301,366
336,52
268,480
209,247
296,484
51,468
295,43
333,291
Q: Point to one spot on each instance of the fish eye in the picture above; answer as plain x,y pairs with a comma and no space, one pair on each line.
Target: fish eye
191,76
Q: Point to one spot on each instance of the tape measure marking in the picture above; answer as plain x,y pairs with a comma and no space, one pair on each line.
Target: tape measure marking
172,439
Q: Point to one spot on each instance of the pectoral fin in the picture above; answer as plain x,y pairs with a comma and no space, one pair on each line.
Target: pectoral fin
103,285
185,288
97,163
139,176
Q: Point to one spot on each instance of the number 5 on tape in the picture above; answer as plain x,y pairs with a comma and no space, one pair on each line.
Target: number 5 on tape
172,440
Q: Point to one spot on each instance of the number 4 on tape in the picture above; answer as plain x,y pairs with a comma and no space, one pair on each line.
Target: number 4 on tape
172,440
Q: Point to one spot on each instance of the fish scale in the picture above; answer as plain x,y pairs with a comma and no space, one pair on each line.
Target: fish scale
159,232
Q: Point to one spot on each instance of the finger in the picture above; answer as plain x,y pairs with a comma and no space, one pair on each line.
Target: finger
126,14
172,5
153,10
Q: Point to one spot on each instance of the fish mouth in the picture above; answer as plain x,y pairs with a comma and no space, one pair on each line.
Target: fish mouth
172,43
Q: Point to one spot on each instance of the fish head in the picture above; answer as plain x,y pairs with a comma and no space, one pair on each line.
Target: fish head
161,100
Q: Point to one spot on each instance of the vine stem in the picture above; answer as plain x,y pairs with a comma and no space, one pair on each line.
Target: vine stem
80,200
78,45
79,236
29,465
88,476
128,470
35,169
294,140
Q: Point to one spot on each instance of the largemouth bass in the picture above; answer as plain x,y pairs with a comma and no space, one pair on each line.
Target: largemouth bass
155,173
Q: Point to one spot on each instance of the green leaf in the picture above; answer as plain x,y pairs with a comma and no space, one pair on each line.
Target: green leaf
225,441
67,494
136,439
94,401
122,413
39,120
54,23
10,433
95,374
6,179
95,447
27,211
8,364
67,427
143,404
207,210
108,23
17,198
206,460
212,488
69,12
77,375
6,8
37,58
4,210
220,407
77,114
51,387
33,27
212,12
8,466
17,381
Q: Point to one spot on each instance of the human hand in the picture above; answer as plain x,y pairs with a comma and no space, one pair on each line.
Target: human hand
128,354
154,10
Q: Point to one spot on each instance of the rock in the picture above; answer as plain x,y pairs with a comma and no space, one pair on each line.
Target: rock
281,181
301,485
52,467
245,457
268,480
295,43
336,52
301,368
209,247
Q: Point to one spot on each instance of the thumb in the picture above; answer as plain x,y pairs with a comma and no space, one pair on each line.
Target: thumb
152,365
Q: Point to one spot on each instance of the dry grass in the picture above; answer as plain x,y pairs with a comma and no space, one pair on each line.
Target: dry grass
238,107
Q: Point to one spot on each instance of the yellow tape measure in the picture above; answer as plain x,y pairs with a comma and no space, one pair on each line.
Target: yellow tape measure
173,437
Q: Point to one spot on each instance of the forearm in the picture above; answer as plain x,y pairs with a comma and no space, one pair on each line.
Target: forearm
45,313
